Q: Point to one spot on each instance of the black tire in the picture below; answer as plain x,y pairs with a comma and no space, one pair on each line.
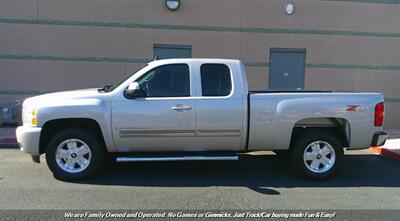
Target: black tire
281,153
302,141
97,153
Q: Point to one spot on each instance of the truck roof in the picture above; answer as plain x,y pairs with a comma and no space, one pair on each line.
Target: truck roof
202,60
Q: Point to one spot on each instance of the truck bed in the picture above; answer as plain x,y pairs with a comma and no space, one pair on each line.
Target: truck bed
289,91
274,113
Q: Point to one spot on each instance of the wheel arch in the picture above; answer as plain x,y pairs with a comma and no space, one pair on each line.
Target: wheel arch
53,126
338,127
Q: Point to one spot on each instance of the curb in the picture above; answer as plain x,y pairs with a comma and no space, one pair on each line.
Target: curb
392,154
8,143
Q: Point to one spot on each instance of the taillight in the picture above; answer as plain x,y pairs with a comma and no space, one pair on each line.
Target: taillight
379,114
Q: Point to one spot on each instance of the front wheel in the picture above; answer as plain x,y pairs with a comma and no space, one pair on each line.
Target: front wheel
316,155
74,154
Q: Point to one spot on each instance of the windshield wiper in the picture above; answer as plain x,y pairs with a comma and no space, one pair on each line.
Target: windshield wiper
105,88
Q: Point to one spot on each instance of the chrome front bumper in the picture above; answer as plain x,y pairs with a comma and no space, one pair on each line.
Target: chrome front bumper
28,139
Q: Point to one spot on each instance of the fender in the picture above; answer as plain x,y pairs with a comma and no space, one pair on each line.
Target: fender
91,107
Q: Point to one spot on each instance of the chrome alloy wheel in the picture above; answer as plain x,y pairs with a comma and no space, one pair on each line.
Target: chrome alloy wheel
319,156
73,155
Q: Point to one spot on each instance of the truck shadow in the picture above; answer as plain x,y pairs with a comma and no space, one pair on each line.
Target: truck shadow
259,173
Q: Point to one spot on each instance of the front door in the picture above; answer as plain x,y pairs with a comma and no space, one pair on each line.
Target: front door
164,120
286,68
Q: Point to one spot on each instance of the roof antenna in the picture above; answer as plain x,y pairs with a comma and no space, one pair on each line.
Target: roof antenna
156,58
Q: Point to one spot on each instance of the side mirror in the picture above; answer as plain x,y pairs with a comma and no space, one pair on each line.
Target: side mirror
133,91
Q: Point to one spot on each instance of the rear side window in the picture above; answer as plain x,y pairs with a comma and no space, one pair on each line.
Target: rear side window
215,80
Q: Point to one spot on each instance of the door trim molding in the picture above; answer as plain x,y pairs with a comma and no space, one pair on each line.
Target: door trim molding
127,133
156,133
218,133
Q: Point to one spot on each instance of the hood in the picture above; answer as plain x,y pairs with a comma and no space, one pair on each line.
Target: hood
61,97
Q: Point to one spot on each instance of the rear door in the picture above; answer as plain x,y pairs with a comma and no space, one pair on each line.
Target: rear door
219,109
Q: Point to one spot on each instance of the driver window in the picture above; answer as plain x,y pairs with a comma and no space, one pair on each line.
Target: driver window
171,80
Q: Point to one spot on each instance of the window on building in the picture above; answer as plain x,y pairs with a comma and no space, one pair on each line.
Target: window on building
171,80
215,80
163,51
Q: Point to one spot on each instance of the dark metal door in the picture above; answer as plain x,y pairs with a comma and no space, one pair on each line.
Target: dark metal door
286,68
172,51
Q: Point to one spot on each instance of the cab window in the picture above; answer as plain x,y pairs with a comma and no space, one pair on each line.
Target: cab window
171,80
215,80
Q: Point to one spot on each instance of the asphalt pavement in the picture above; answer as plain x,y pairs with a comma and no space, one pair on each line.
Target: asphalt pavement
366,181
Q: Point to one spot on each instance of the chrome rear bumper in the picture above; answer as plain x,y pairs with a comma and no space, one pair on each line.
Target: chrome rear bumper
379,139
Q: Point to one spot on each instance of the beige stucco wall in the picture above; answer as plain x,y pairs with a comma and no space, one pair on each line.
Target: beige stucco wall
52,44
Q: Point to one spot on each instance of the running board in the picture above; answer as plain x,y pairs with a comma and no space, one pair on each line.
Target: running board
182,158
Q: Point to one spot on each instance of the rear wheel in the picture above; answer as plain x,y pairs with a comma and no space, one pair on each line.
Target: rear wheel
316,154
74,154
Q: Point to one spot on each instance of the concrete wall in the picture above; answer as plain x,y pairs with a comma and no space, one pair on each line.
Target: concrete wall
49,45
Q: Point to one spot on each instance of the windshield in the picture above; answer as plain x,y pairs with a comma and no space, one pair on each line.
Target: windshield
109,88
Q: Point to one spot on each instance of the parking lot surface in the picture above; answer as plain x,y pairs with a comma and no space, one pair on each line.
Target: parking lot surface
254,182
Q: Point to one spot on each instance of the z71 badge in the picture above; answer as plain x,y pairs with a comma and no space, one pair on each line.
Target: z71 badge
355,108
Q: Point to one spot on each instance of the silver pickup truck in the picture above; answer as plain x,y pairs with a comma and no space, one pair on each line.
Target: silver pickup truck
196,109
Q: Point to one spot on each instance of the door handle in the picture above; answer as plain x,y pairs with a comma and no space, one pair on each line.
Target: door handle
180,107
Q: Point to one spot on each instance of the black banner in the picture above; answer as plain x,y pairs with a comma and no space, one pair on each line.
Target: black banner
115,215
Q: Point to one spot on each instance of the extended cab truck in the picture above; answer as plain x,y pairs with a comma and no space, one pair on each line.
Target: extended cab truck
196,109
